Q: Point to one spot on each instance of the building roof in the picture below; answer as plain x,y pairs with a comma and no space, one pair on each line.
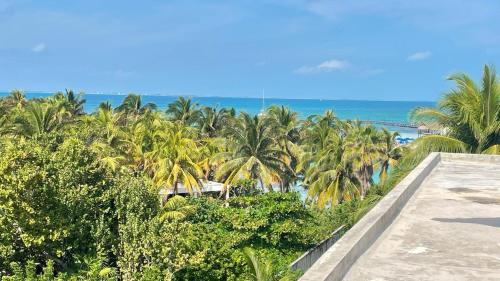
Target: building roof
423,127
207,186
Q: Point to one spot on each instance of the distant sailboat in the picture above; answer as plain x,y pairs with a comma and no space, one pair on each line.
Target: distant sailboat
263,109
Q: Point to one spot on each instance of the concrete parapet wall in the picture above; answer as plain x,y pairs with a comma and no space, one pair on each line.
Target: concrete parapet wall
338,259
305,261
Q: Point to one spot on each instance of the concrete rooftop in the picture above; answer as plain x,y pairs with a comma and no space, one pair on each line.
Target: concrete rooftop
447,229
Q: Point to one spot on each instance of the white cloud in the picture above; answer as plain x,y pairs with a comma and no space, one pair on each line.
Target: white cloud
326,66
40,47
419,56
332,64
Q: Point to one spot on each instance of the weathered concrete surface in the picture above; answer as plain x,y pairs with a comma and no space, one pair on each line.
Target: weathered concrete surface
338,259
448,230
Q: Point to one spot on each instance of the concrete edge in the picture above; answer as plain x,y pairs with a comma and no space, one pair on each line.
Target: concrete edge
470,157
334,264
325,243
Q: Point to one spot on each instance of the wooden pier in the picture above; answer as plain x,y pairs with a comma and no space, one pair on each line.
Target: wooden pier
391,123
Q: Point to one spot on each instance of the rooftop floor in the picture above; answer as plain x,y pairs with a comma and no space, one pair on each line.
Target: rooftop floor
448,230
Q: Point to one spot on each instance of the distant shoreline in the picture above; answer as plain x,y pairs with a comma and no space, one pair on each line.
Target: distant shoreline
391,111
228,97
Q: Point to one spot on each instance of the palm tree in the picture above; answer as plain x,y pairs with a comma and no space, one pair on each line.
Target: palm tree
183,110
390,153
132,106
16,99
362,149
316,129
209,149
283,124
176,208
329,176
316,137
74,103
252,154
172,159
107,121
39,119
468,116
140,139
264,271
211,121
105,106
5,125
328,119
110,136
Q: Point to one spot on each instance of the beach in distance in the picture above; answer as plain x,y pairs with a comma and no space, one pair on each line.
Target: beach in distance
393,111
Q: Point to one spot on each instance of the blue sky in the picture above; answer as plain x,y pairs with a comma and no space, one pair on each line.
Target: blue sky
363,49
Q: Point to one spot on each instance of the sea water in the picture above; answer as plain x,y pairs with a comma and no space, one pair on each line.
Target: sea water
393,111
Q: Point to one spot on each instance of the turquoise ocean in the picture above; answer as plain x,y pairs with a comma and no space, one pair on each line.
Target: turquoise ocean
395,111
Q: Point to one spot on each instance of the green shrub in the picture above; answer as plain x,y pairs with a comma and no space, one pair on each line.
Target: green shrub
51,199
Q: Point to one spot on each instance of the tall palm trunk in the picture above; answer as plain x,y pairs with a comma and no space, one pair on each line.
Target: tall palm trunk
384,170
364,176
262,184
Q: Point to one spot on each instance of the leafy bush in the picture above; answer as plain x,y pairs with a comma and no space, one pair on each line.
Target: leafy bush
277,225
51,199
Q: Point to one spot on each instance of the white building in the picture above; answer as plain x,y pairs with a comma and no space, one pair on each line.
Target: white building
206,187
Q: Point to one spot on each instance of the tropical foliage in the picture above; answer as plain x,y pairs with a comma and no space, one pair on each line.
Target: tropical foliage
80,193
468,115
252,154
95,196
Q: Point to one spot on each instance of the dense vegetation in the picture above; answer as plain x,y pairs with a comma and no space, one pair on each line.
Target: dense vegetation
470,114
80,193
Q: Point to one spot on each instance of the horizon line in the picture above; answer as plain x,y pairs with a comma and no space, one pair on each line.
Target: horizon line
216,96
